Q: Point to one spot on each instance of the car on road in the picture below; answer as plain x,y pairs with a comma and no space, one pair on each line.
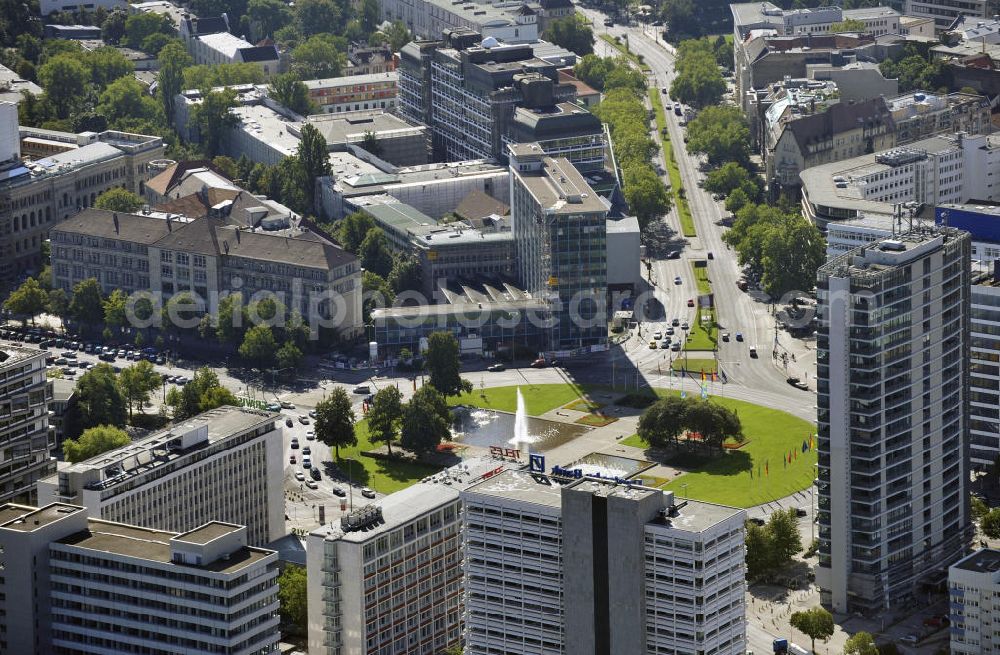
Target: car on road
287,405
608,22
496,368
312,413
367,493
690,302
539,363
307,451
306,462
677,109
675,322
677,279
338,491
657,335
753,352
311,484
363,388
295,443
310,436
315,474
756,521
300,476
675,346
797,383
739,336
725,336
291,458
685,326
799,512
161,360
939,621
181,380
670,331
304,420
70,372
273,407
664,90
652,345
665,343
289,422
710,255
910,640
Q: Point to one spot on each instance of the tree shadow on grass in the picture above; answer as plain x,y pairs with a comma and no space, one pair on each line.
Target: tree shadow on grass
727,463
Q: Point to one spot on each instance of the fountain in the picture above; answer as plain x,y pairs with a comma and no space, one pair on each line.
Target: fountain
521,435
488,427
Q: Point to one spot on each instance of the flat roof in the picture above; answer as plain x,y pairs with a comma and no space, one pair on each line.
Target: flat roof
153,546
28,519
13,355
558,187
522,486
698,516
351,127
224,42
986,560
351,80
208,532
268,126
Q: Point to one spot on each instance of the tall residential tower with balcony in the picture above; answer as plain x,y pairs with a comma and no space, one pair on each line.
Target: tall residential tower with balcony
893,359
24,430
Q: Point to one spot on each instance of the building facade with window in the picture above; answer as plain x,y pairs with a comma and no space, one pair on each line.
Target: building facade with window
557,565
974,598
25,441
335,95
224,464
893,417
93,586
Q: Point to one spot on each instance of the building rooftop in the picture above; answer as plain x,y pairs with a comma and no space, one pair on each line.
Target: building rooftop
697,516
225,43
208,532
11,355
29,519
559,188
523,486
268,126
11,86
154,546
986,560
351,80
408,504
885,255
351,127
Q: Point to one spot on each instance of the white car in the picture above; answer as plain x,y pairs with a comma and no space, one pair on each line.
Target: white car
311,484
367,493
311,435
300,476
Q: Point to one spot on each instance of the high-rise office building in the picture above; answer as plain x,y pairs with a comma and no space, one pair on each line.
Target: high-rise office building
558,566
387,577
560,236
222,465
69,584
24,433
893,396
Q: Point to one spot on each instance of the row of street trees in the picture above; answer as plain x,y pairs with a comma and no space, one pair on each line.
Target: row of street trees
698,82
622,109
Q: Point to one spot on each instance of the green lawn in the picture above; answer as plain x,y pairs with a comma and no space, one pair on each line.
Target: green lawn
384,476
701,277
703,336
694,364
725,479
538,398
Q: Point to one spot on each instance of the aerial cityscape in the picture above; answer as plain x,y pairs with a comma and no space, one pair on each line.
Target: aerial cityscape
499,327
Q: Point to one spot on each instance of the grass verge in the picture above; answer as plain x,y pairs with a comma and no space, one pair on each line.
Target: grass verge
703,335
694,364
725,478
382,475
625,52
701,277
596,420
673,172
538,398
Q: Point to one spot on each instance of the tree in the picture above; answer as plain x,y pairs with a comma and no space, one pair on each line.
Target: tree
729,177
113,27
57,303
137,382
384,415
231,319
293,93
353,229
376,293
791,254
94,441
978,508
258,346
153,43
140,26
721,133
28,300
713,422
783,528
406,274
267,17
114,309
335,421
202,393
443,364
425,420
397,34
623,76
645,193
915,72
815,623
759,557
126,98
318,17
663,422
572,33
118,200
318,57
87,305
173,59
288,356
214,117
207,77
65,81
375,254
314,158
860,643
99,400
292,594
849,25
698,81
370,143
592,70
106,65
737,200
990,524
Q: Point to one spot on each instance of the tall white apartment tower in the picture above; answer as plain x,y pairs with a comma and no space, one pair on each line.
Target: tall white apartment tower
556,566
892,365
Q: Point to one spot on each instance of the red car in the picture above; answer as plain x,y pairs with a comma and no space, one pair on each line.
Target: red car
690,302
538,363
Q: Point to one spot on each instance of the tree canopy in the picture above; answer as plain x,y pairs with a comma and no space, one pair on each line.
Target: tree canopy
425,421
815,623
99,400
720,133
698,81
772,546
384,416
573,33
292,594
663,423
443,364
28,300
118,200
335,421
94,441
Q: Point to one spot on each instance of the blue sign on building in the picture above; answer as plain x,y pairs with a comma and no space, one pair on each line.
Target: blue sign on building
536,463
982,223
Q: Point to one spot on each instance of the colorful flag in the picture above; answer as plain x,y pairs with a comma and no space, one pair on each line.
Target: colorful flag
683,393
704,391
751,473
805,445
795,454
702,375
784,462
767,468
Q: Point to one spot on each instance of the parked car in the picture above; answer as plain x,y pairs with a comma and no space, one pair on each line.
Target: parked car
287,405
338,491
801,512
315,474
311,484
304,420
496,368
300,476
367,493
538,363
910,640
362,388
